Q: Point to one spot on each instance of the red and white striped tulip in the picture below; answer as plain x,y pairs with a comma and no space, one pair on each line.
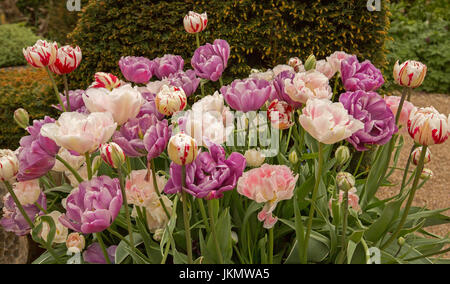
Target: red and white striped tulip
280,114
106,80
427,126
9,165
410,73
41,54
416,156
170,99
195,22
182,149
67,60
112,154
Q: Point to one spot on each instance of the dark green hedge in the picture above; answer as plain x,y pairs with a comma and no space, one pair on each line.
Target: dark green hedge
260,33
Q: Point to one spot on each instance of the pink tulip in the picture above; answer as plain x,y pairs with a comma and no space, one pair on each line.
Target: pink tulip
325,68
393,102
328,122
41,54
336,58
427,126
308,85
67,60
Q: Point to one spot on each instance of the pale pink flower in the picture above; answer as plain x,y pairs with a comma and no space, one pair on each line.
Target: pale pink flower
139,187
27,192
9,164
325,68
123,102
268,184
74,161
393,103
60,230
335,60
328,122
281,68
75,242
427,126
308,85
353,199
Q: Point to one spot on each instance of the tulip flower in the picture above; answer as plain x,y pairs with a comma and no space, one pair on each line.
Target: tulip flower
297,64
122,102
93,254
41,54
325,68
27,192
210,60
336,59
279,83
67,60
106,80
9,165
138,70
360,76
112,154
188,81
416,155
254,158
328,122
308,85
166,65
280,114
182,149
393,103
75,242
428,127
170,99
247,95
21,117
410,73
61,232
195,22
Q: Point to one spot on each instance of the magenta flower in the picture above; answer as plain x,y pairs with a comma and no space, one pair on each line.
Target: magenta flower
372,110
279,83
13,220
156,138
166,65
93,205
210,175
360,76
76,101
247,95
94,254
210,60
37,153
185,80
136,69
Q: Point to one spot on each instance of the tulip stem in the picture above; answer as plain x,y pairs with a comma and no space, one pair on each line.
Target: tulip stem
405,173
69,167
359,163
40,207
102,245
213,230
313,204
88,165
271,245
203,212
125,204
187,229
400,105
19,205
344,227
55,88
221,81
155,185
410,199
66,87
197,39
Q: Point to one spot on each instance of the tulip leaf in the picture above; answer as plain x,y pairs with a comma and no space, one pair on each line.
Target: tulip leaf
122,252
382,224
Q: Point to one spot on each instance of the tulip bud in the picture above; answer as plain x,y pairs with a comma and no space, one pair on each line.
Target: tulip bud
296,63
342,155
170,99
254,158
182,149
21,117
280,114
345,181
416,156
195,22
157,236
75,242
401,241
112,154
426,174
96,163
410,73
234,237
293,157
106,80
310,63
9,165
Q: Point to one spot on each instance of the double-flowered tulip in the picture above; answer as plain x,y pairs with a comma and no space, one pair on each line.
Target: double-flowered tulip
308,85
336,59
188,81
67,60
166,65
410,73
393,103
210,60
138,70
247,95
41,54
360,76
280,114
93,205
428,127
76,101
195,22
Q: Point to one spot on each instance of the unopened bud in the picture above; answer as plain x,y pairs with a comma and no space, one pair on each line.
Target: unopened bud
310,63
342,155
21,117
234,237
426,174
75,242
345,181
182,149
157,236
254,158
416,156
401,241
112,154
293,157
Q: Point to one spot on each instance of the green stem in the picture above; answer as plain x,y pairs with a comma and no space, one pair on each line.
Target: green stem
313,205
40,207
410,199
69,167
288,139
66,87
359,163
221,81
102,245
344,227
166,253
18,204
55,88
405,173
271,245
125,204
203,212
428,255
155,185
89,165
213,230
197,39
187,229
400,105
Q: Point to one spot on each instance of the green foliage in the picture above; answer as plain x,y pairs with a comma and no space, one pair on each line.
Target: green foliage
14,38
261,34
420,31
27,88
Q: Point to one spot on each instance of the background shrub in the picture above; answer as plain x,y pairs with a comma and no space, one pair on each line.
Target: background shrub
14,37
24,87
260,33
420,31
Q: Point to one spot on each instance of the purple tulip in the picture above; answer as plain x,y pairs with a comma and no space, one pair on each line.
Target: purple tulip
156,138
13,220
210,60
371,109
166,65
136,69
76,101
37,153
93,205
360,76
280,93
209,175
247,95
185,80
94,254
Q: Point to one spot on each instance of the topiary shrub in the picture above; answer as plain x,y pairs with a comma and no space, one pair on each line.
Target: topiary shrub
28,88
261,34
14,38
